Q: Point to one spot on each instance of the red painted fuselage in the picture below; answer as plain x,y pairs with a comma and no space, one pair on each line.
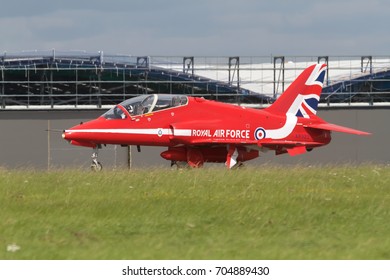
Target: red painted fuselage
196,130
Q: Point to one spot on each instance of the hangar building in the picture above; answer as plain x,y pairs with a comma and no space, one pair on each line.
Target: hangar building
73,79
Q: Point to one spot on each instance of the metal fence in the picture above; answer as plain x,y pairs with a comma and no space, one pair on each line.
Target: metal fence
72,80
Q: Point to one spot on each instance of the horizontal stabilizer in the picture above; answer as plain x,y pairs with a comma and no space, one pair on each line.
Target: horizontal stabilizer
337,128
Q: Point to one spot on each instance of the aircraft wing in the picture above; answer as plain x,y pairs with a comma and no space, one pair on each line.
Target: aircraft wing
337,128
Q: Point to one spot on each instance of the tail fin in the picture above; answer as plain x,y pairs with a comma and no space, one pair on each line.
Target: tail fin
302,96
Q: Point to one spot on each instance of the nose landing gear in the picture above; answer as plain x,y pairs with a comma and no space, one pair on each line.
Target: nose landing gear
96,165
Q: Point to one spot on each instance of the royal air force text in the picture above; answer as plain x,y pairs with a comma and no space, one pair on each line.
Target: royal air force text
222,133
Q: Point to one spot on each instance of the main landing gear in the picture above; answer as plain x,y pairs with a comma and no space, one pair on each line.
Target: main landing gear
178,165
96,165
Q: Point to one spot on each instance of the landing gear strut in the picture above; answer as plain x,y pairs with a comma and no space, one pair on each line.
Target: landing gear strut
96,165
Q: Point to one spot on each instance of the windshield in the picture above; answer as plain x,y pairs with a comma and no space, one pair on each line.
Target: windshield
114,114
145,104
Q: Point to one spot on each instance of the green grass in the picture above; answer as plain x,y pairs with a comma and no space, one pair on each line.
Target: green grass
331,212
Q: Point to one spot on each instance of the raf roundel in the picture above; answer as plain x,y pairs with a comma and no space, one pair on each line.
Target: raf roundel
260,133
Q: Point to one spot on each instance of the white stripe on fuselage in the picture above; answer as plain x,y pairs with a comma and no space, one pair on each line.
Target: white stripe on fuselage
182,132
120,131
279,133
285,130
145,131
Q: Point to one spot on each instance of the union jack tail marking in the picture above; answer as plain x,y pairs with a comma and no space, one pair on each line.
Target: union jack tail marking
302,96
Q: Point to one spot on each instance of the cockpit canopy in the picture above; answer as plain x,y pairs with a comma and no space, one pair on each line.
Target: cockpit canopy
145,104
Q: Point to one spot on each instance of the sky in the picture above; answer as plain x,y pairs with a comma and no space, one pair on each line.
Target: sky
198,27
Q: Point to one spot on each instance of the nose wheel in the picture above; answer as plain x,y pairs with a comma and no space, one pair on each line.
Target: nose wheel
96,165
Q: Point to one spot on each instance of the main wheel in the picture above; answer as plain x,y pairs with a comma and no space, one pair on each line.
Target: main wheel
178,165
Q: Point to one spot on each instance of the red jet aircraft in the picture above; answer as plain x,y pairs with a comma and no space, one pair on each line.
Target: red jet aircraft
196,130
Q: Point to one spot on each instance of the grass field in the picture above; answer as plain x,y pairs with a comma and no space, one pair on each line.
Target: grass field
331,212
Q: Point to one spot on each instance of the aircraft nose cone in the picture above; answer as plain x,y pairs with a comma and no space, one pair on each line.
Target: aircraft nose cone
71,133
85,134
65,134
